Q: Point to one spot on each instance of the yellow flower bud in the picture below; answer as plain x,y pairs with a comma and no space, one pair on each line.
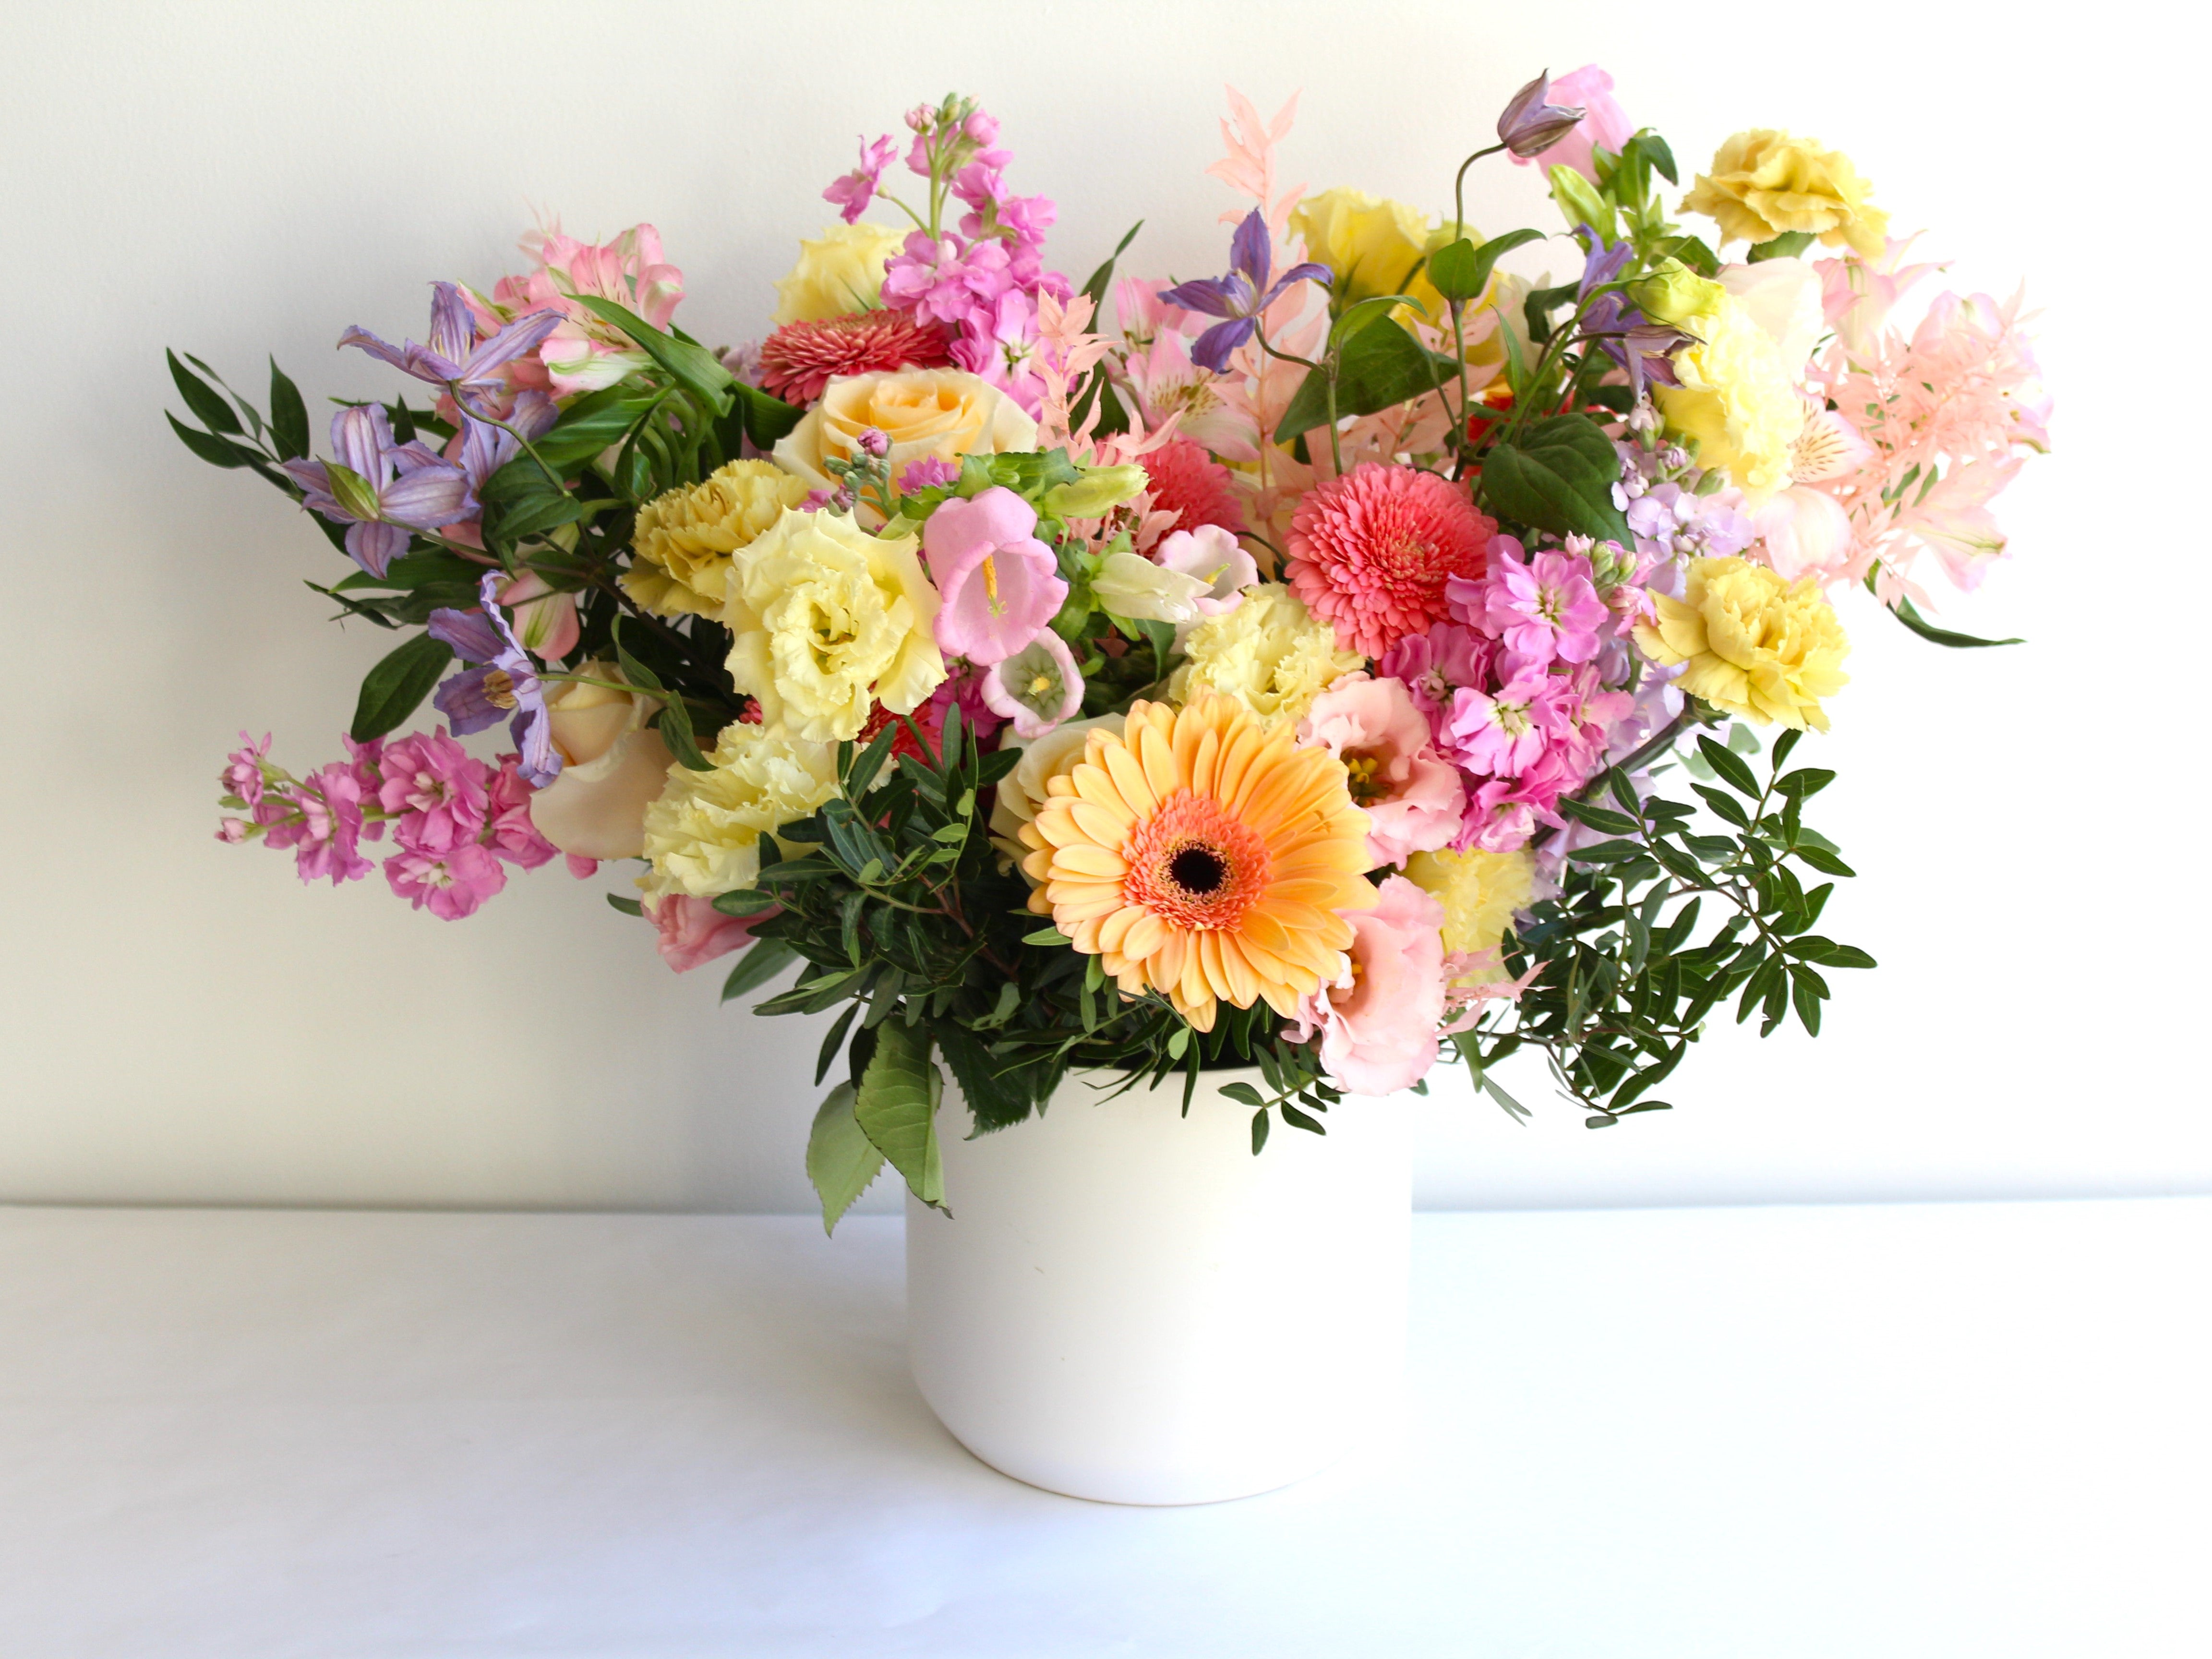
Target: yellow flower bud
1096,493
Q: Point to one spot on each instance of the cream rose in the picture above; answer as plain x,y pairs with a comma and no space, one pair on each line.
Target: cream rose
939,413
838,273
614,765
1018,793
703,832
828,621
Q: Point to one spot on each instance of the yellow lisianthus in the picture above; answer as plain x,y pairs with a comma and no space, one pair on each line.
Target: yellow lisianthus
703,833
828,621
683,539
1764,183
1372,245
1270,653
1752,643
1479,892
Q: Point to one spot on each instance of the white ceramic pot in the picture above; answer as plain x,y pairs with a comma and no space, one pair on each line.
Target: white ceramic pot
1126,1305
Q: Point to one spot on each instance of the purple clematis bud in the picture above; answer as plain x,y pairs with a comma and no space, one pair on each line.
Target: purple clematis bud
502,681
1530,126
382,489
1238,297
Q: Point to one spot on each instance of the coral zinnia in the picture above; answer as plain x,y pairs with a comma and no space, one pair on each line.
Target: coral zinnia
800,359
1371,552
1203,854
1190,483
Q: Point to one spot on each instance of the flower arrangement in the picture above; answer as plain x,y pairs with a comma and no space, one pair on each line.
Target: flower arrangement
1355,659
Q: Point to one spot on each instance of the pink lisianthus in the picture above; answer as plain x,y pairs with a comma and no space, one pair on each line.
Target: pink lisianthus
1545,609
1604,122
1000,585
1215,557
693,932
1412,795
450,884
1378,1023
584,353
509,829
438,792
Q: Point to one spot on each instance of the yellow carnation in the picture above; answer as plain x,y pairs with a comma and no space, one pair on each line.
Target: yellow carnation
1755,645
828,621
1371,245
1479,892
703,834
838,273
1270,653
1764,183
938,413
1739,397
683,539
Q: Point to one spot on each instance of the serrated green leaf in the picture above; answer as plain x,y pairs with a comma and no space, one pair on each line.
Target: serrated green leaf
897,1106
841,1162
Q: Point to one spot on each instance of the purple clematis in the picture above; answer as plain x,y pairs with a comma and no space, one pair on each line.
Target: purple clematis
382,489
454,358
1529,126
502,681
1240,296
1644,347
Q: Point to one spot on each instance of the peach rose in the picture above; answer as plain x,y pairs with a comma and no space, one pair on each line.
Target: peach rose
615,767
927,413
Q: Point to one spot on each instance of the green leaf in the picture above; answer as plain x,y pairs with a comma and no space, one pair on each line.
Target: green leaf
1691,251
1828,953
216,452
1258,1131
1381,366
629,906
1299,1120
594,423
1558,475
1655,151
1806,781
1821,860
694,367
1731,770
745,901
1788,245
1243,1093
765,959
395,688
674,719
997,1100
287,415
897,1106
765,418
841,1160
834,1043
1045,936
1095,290
1722,804
521,500
212,409
1919,624
1602,818
1461,271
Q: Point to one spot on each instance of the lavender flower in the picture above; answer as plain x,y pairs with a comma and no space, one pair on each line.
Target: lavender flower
1237,296
453,359
382,489
503,682
1530,126
1644,347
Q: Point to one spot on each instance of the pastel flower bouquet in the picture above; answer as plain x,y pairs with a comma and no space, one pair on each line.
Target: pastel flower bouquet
1359,658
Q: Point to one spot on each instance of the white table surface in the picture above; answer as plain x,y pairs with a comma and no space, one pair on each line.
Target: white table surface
1864,1431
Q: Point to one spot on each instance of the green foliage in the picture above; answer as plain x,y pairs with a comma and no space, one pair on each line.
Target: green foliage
1556,475
1376,366
841,1160
395,688
1907,613
1460,271
1673,915
896,1107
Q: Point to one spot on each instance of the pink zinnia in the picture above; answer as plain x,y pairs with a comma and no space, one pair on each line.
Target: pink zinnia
800,359
1188,482
1371,551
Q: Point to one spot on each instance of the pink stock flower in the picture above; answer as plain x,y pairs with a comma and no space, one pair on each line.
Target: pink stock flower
947,281
451,883
852,193
693,932
328,836
1435,664
509,830
231,831
1412,795
1604,122
1501,816
928,473
584,353
1543,610
1215,557
440,793
241,776
1371,552
1000,585
1378,1023
1500,733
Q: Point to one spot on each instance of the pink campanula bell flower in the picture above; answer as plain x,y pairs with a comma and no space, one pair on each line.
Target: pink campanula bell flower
1000,585
1037,688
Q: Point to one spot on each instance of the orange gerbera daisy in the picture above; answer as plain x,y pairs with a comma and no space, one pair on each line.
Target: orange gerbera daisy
1204,855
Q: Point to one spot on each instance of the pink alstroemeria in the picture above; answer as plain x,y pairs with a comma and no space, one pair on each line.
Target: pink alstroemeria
852,193
1000,585
1545,609
584,352
1216,557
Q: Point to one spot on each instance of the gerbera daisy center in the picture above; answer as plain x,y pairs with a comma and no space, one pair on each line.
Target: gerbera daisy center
1197,869
1192,863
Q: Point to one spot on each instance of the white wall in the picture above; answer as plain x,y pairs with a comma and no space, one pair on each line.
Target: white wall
181,1021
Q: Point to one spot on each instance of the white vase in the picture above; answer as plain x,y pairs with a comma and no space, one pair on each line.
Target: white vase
1127,1305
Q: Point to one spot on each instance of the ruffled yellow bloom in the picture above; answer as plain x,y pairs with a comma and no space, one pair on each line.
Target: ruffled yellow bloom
1755,645
1270,653
703,833
683,539
1479,892
828,621
1204,855
1739,397
1372,245
1764,183
838,273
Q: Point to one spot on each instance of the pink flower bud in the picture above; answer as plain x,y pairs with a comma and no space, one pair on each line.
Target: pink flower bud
872,442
